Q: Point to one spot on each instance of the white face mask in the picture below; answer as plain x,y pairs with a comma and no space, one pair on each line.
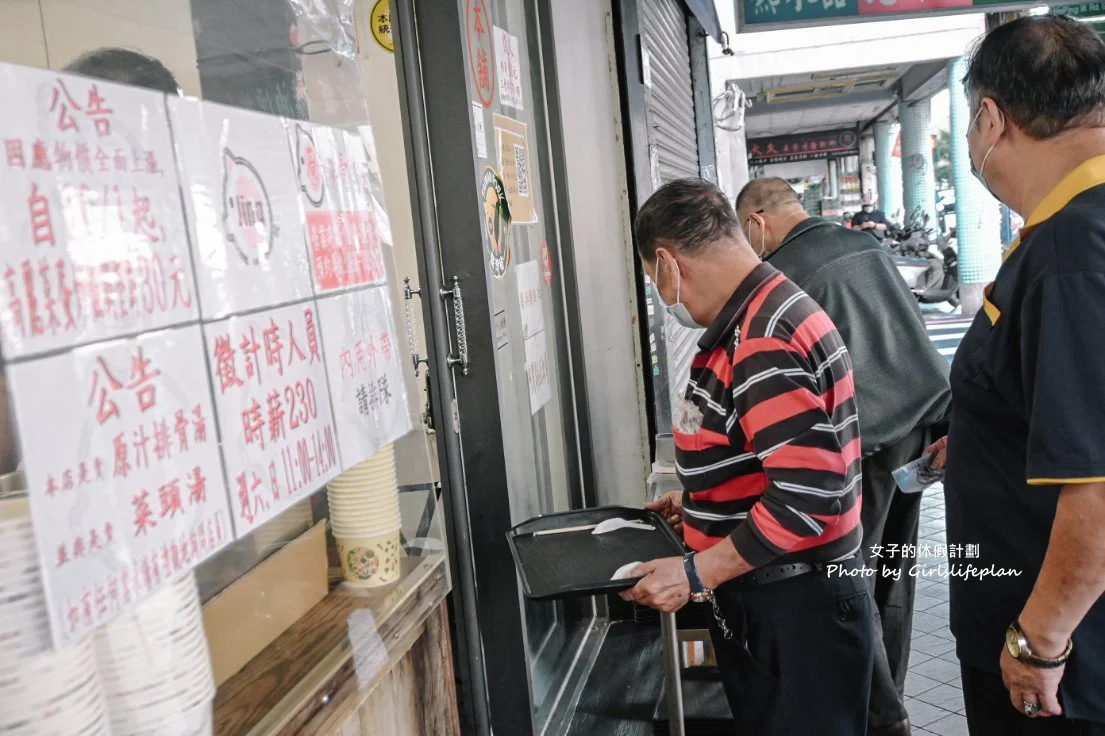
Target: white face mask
678,311
980,172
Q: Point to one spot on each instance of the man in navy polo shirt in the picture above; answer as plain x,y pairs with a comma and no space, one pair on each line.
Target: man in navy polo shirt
1025,484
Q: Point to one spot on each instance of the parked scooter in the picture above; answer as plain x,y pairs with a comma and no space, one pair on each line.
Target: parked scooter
945,287
930,267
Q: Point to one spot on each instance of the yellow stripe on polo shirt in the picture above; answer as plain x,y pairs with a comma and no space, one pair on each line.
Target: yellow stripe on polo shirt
1087,175
1064,481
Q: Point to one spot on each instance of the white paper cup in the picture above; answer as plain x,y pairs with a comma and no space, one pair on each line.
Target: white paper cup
371,561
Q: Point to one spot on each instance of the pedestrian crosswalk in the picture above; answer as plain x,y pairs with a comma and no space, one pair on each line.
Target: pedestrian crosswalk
946,334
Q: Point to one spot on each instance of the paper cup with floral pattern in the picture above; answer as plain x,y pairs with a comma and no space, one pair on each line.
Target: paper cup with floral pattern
372,561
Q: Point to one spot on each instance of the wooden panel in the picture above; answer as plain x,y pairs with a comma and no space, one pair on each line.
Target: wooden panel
308,673
250,614
416,696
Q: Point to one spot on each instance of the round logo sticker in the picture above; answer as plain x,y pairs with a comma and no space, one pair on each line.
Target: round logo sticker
381,25
308,168
247,213
481,61
496,220
546,264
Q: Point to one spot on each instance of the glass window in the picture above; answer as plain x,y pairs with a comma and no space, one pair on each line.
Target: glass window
304,582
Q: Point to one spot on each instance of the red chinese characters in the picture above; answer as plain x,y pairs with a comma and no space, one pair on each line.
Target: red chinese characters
58,298
95,603
478,34
340,222
105,387
345,249
274,411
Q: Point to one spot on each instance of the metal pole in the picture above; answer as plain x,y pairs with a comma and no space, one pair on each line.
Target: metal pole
404,23
672,667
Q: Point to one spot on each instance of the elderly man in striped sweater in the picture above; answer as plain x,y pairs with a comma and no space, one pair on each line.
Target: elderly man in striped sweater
769,453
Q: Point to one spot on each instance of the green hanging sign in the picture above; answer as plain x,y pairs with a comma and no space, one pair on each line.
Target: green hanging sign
763,15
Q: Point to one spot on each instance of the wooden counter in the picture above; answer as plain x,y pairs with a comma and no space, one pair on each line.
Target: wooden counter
307,681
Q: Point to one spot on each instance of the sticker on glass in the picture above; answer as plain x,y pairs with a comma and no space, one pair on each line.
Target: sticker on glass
497,220
514,163
481,64
509,69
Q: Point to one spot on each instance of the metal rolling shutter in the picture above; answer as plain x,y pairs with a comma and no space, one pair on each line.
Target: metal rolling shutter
670,99
673,142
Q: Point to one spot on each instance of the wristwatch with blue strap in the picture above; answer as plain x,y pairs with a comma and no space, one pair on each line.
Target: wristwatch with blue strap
699,592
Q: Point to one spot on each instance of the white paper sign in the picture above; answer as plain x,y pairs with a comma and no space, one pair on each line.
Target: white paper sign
537,372
366,376
279,443
243,207
334,184
529,298
122,462
376,185
478,131
508,68
94,237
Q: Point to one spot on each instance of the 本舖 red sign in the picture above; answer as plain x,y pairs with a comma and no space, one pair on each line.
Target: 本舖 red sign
481,62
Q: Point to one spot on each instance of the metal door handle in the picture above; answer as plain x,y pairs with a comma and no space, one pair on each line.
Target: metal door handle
409,294
461,358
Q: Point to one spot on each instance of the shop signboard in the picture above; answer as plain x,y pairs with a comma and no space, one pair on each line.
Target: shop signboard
172,393
802,147
759,15
1091,14
1083,10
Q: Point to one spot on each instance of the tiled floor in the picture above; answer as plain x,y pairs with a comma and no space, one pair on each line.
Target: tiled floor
933,695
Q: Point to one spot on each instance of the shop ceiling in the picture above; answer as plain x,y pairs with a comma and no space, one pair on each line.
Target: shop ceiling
824,100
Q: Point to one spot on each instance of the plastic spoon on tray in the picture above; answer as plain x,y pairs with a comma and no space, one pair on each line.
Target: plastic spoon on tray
603,527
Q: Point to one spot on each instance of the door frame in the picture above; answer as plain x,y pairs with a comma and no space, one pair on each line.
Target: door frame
490,631
629,45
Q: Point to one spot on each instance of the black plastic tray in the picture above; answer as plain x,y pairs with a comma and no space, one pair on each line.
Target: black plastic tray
574,564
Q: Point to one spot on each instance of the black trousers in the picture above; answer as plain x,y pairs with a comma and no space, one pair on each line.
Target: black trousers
990,712
891,517
799,660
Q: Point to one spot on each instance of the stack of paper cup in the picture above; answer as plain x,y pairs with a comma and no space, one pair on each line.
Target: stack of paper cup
365,518
156,668
42,692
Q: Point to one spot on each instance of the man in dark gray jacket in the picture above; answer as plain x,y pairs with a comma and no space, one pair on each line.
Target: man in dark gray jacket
901,392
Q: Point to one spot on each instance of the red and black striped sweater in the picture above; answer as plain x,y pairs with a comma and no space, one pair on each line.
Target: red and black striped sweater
767,434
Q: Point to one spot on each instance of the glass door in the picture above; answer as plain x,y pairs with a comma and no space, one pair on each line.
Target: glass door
521,244
481,79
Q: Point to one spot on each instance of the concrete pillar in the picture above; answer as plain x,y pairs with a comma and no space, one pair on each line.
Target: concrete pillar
977,214
918,179
888,168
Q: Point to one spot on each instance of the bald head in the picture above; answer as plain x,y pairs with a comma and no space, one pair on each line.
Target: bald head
768,209
769,194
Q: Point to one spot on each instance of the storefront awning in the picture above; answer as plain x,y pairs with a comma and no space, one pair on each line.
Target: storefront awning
706,14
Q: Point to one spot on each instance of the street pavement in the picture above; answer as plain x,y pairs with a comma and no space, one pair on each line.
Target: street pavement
934,697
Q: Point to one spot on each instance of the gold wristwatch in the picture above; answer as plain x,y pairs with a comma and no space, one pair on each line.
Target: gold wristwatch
1017,644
